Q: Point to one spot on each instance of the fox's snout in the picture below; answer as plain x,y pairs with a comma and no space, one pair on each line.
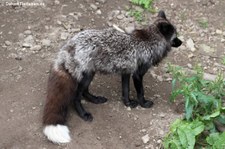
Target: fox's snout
176,42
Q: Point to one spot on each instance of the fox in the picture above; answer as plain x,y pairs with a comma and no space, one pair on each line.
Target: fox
107,51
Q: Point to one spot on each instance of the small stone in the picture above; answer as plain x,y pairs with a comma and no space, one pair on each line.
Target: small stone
33,108
36,48
219,32
191,55
162,115
46,42
98,138
64,35
28,41
129,29
128,109
120,17
11,110
190,44
120,137
222,40
8,43
57,2
189,65
145,138
99,12
27,32
143,130
93,6
20,68
160,78
159,141
101,1
27,45
59,22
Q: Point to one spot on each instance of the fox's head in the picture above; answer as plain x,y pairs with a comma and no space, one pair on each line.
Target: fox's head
167,29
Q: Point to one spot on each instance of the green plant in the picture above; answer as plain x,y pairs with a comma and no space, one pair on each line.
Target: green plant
146,4
203,109
203,23
138,15
223,60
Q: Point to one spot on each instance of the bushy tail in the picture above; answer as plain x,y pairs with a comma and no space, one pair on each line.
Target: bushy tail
60,91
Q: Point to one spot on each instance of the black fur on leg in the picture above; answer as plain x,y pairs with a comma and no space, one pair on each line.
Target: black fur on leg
138,84
82,85
126,90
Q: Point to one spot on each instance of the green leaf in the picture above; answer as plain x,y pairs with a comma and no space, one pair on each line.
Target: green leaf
216,140
213,115
188,109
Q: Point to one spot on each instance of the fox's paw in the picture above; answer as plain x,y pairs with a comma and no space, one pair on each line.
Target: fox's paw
131,104
146,104
99,100
87,117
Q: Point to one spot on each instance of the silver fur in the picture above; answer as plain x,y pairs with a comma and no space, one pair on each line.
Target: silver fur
111,51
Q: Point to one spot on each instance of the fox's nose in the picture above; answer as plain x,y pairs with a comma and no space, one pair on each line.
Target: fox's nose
176,42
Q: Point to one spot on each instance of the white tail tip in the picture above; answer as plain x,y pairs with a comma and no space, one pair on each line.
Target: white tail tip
57,133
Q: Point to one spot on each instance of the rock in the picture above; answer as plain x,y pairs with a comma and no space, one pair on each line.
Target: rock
189,65
128,109
93,6
219,32
120,17
159,141
27,32
160,78
191,55
222,40
143,130
206,48
64,35
8,43
20,68
36,48
99,12
46,42
129,29
98,138
26,45
190,44
145,138
162,115
57,2
28,42
101,1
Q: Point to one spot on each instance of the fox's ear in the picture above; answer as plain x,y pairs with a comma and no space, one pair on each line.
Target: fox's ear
162,14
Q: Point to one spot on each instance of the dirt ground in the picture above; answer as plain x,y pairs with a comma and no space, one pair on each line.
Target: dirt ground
30,37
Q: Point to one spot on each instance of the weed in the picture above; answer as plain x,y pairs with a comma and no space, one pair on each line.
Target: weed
138,15
203,109
203,23
145,4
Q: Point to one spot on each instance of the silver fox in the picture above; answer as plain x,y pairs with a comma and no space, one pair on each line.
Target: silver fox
105,51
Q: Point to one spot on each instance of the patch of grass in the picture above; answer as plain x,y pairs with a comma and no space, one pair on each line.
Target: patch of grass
223,60
203,23
138,15
145,4
203,111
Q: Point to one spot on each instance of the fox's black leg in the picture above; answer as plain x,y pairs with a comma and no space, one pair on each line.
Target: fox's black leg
91,98
82,85
126,90
94,99
138,83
